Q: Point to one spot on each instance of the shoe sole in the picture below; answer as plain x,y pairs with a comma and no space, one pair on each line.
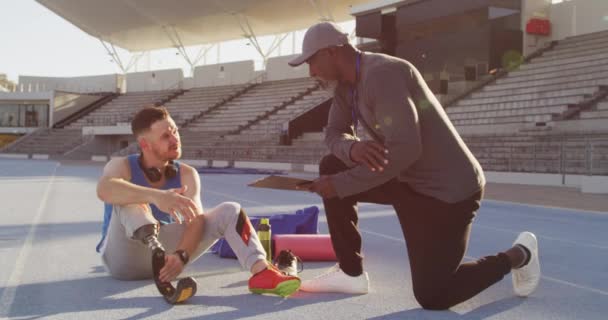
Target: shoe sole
309,286
283,289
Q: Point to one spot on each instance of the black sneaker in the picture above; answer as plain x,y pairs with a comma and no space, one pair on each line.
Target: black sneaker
287,262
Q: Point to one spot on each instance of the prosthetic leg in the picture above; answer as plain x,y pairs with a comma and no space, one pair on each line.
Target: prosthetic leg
186,287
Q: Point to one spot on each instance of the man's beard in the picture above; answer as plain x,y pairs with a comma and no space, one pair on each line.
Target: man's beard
328,85
165,156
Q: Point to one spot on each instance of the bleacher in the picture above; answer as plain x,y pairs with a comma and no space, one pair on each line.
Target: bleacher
265,105
48,141
217,134
197,100
273,125
245,122
121,109
539,91
599,111
261,153
309,139
585,154
58,142
250,105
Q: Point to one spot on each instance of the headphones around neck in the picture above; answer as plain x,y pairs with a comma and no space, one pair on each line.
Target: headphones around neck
155,174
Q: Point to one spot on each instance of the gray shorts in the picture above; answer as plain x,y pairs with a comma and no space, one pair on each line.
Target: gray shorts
128,259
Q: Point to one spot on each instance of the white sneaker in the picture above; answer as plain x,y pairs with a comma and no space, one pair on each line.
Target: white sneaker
526,278
335,280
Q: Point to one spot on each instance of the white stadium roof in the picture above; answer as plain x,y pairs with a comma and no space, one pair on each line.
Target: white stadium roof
142,25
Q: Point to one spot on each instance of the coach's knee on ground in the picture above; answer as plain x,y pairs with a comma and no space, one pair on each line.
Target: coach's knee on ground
433,298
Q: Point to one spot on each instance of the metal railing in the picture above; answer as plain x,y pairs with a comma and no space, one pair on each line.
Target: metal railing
585,157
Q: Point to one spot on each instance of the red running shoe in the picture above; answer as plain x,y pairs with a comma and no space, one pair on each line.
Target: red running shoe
271,280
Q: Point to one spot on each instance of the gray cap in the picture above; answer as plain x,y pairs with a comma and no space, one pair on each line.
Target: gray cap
321,35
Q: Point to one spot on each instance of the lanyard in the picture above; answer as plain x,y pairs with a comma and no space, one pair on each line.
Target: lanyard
353,92
355,109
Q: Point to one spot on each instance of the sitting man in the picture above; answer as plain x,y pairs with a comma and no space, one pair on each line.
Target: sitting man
152,202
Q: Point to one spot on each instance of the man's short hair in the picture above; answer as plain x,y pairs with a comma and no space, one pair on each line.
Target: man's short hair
143,120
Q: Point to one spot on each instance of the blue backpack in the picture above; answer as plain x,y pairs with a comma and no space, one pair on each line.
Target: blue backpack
304,221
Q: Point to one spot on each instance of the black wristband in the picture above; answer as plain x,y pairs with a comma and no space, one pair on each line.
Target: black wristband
183,255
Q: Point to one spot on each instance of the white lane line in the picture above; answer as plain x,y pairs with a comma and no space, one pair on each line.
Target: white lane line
534,217
385,213
567,210
477,225
578,286
380,235
8,295
567,283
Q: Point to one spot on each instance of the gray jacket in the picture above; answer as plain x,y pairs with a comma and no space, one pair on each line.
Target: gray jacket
396,106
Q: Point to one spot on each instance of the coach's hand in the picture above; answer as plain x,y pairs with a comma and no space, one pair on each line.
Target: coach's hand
369,153
172,201
323,187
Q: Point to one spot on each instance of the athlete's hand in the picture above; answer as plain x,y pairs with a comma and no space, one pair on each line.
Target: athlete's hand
173,267
323,187
180,207
369,153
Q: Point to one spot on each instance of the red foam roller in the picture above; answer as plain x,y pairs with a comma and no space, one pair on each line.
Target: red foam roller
309,247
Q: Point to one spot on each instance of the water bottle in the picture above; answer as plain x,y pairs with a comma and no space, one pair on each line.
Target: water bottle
264,234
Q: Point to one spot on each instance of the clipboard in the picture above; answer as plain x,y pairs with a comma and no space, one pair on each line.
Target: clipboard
281,183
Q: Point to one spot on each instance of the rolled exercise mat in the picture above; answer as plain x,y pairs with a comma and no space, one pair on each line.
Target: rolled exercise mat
309,247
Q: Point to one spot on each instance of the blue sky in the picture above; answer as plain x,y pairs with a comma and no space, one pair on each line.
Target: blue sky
35,41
